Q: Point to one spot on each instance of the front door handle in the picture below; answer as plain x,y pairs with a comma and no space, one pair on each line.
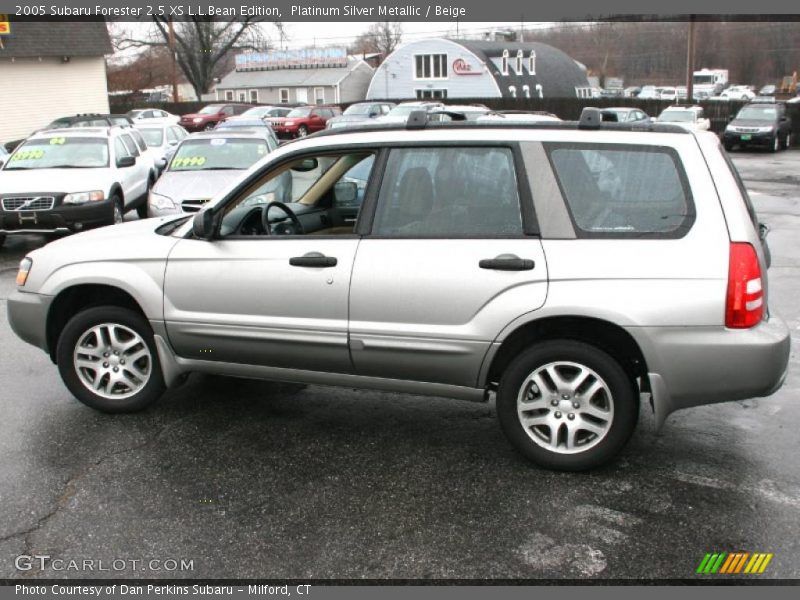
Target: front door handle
313,259
507,262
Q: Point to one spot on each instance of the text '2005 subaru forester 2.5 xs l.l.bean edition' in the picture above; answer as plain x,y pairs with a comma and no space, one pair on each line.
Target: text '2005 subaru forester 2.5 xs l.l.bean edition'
568,267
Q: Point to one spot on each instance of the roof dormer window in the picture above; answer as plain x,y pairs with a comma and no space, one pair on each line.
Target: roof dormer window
504,68
532,63
518,68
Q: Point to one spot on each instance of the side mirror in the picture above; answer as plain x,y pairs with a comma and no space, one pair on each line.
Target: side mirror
161,163
731,118
763,230
307,164
126,161
203,225
373,114
345,193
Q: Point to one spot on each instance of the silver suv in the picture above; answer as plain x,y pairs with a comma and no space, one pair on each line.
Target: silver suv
567,269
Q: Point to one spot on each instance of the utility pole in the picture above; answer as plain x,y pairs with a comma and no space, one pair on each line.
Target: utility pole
174,60
690,63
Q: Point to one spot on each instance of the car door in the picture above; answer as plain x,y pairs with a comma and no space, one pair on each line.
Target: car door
451,259
276,301
140,171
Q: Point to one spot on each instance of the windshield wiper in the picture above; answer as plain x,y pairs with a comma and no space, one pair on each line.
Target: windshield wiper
68,167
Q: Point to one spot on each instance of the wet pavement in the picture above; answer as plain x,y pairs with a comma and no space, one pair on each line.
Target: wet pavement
256,479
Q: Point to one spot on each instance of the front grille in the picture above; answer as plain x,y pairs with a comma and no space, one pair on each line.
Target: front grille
747,129
24,203
194,205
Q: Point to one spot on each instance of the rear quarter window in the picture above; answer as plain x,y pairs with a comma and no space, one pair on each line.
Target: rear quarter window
623,191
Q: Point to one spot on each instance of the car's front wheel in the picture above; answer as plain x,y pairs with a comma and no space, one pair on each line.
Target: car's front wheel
776,143
567,405
302,131
107,358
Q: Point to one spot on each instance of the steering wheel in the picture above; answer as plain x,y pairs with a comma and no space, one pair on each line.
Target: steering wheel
289,213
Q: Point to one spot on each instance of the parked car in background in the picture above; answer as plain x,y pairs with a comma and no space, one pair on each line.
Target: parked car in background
203,164
68,180
161,140
631,92
267,112
517,116
737,92
688,117
573,273
768,90
623,114
360,112
152,115
251,123
456,112
759,124
399,114
90,120
304,120
668,93
209,116
650,92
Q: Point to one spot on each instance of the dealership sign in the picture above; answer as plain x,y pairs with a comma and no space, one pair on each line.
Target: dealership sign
5,26
462,67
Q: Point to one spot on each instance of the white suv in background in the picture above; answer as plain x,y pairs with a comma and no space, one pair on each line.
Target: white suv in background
68,180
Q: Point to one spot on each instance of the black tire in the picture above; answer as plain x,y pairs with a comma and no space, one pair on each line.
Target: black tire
2,239
622,391
728,147
141,210
117,204
209,126
302,131
776,144
76,330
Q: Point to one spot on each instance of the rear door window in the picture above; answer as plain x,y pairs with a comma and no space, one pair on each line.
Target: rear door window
615,190
449,192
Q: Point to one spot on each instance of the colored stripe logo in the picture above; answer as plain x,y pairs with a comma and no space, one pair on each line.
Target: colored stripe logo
731,563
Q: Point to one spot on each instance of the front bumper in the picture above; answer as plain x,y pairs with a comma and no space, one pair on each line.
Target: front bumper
692,366
764,140
27,315
63,218
285,132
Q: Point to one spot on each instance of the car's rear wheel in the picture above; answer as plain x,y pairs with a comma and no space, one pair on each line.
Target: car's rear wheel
107,358
567,405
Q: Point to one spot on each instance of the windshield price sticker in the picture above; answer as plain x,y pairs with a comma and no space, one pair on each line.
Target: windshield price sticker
57,141
218,142
189,161
28,155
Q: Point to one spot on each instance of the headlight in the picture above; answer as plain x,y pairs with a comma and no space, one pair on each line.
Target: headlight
289,123
83,197
197,120
160,202
765,129
24,268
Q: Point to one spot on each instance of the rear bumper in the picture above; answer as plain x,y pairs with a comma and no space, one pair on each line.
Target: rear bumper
692,366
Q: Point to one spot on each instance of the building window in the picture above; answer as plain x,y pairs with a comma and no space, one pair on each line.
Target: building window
513,91
539,90
532,62
430,66
583,92
284,95
428,94
526,91
519,62
229,95
242,96
254,96
504,68
319,95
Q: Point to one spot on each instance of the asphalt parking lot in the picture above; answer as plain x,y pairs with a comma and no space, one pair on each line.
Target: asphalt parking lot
254,479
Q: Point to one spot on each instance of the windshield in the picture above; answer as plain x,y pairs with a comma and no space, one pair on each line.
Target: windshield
703,79
152,137
134,113
210,110
256,111
758,113
676,116
358,109
230,123
403,111
218,153
60,153
299,112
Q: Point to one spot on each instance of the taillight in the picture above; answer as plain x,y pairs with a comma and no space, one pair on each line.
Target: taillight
745,303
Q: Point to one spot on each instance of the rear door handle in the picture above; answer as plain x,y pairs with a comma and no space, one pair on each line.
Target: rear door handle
313,259
507,263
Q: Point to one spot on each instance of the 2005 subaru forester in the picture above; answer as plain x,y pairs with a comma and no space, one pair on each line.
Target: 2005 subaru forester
567,267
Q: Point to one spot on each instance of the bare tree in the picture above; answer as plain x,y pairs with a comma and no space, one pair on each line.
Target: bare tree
203,46
381,38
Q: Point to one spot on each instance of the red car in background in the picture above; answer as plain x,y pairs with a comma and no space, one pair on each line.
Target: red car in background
304,120
208,117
